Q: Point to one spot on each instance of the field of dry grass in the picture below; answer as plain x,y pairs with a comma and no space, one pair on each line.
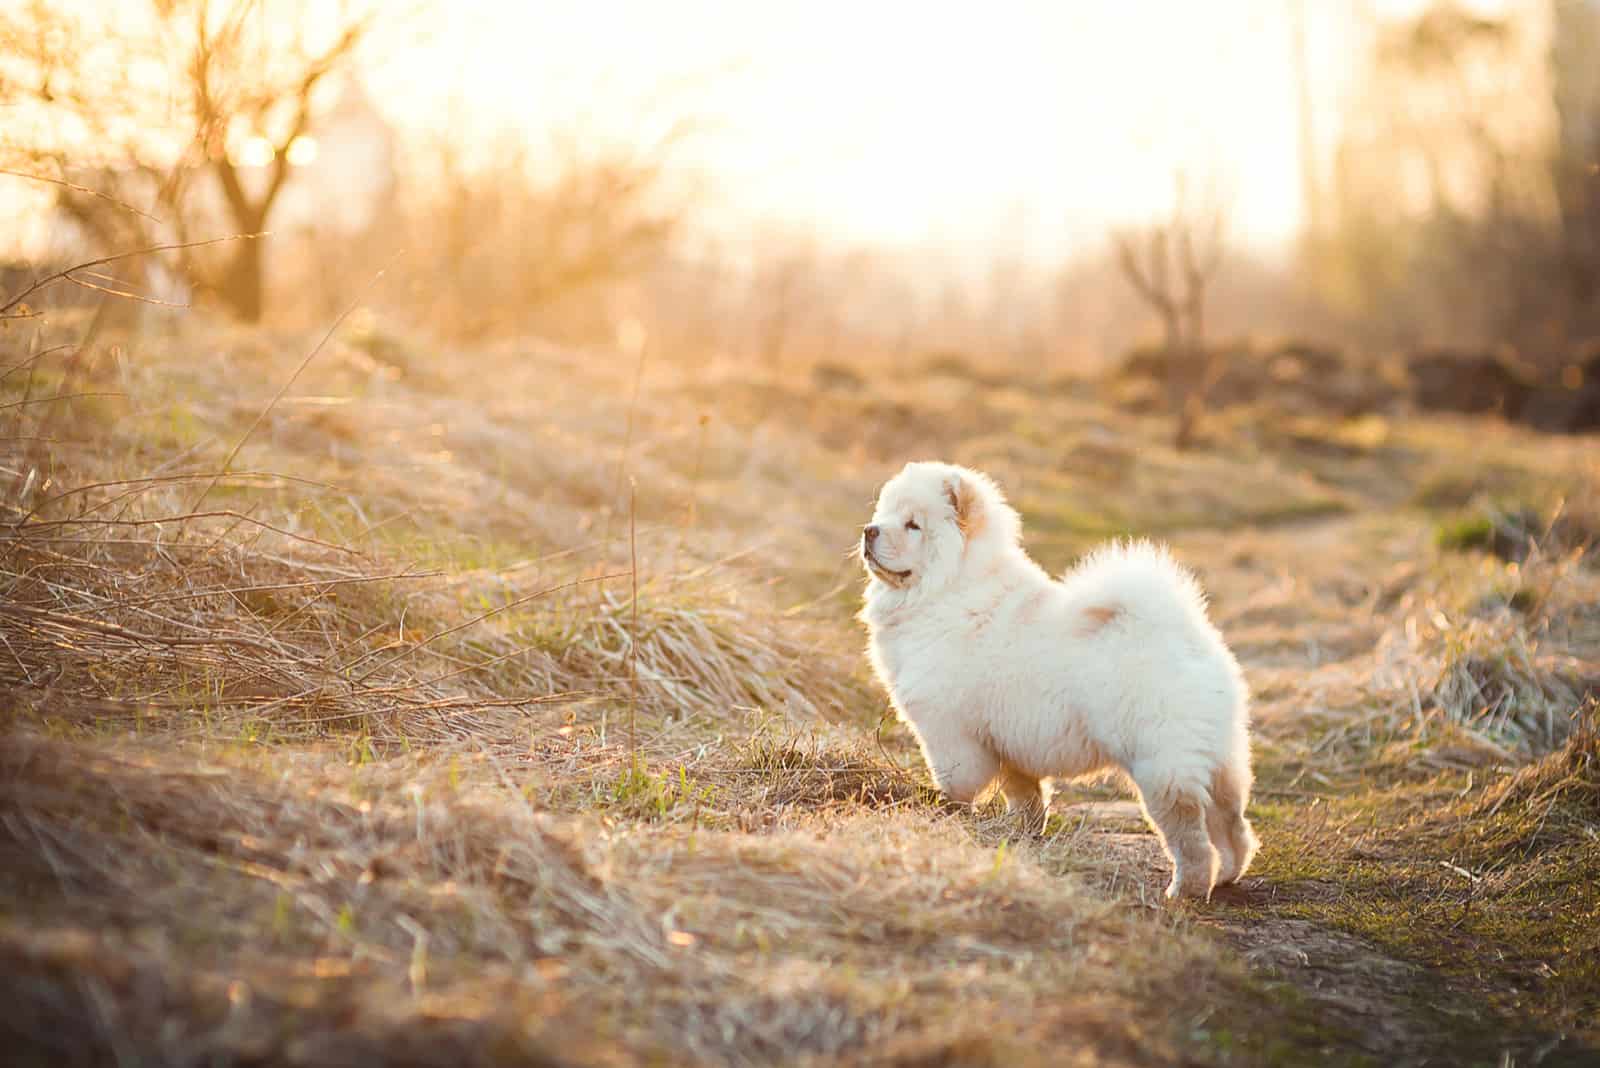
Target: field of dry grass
507,706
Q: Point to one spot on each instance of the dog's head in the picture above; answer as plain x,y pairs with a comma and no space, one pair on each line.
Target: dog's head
931,519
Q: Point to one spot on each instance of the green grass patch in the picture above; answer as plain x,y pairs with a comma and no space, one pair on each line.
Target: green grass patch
639,794
1497,889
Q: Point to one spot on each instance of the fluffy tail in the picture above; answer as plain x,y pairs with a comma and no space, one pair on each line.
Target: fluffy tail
1142,579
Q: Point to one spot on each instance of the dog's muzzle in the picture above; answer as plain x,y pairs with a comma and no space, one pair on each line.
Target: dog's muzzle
883,571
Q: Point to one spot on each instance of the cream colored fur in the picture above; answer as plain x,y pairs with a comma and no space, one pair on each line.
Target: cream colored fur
1008,675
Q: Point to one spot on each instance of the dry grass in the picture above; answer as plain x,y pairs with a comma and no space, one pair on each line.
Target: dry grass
264,629
289,605
804,771
290,900
336,765
1565,781
1494,682
442,896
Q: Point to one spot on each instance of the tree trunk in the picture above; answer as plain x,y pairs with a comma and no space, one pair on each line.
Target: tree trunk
1177,353
1199,366
242,282
1189,416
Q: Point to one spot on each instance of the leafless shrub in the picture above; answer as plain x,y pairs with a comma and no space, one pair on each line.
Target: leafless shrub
527,241
1171,264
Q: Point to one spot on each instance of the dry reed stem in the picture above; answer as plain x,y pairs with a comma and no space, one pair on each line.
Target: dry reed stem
76,188
633,637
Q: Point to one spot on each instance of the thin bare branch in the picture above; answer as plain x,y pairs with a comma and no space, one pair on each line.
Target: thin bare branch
68,621
76,188
59,397
160,480
124,293
115,258
17,531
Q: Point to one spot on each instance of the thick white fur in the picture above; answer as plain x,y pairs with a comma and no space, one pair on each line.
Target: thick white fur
1006,674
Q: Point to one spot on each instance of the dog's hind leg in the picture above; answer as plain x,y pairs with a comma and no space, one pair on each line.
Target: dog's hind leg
1225,821
1179,817
1026,797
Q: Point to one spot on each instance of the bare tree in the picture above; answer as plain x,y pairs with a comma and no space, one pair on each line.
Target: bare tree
1171,264
156,106
239,78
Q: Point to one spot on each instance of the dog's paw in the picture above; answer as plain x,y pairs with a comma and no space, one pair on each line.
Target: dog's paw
1192,885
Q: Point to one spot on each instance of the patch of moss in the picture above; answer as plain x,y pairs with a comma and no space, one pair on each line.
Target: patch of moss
1507,530
1272,1023
1496,891
1463,533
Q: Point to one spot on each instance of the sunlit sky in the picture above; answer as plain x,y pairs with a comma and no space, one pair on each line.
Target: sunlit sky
1019,128
955,132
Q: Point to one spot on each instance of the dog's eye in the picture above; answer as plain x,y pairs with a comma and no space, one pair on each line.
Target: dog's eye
911,524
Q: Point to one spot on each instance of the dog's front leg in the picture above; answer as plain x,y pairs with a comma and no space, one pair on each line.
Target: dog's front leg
960,766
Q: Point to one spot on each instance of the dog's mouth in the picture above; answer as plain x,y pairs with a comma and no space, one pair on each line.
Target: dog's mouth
887,574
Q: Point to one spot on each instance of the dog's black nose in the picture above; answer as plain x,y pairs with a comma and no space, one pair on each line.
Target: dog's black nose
870,533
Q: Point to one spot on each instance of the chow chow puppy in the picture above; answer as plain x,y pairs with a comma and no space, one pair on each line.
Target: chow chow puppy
1005,673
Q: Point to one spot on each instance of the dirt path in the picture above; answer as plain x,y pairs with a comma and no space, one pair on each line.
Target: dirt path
1367,1001
1353,985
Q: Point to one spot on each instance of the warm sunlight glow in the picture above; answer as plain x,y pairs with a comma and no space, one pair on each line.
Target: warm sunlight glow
1025,128
251,152
302,151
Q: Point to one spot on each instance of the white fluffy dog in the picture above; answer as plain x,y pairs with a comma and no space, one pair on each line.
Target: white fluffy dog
1004,673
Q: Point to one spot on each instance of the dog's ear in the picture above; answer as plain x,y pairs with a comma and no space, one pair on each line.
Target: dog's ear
967,501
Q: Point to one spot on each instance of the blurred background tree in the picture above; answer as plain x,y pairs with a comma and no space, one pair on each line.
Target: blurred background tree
1171,264
1464,201
193,112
